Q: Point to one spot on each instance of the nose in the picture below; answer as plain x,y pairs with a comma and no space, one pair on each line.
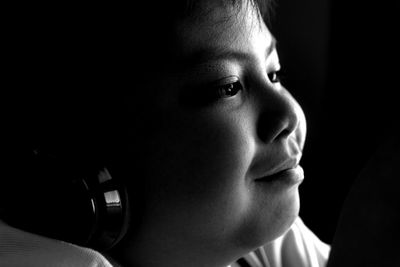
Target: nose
280,116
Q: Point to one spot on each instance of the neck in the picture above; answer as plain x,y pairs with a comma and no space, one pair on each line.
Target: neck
160,249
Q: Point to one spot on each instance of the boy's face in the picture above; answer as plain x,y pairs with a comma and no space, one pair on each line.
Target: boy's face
221,121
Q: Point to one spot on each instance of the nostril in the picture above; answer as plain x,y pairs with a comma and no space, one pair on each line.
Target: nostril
284,133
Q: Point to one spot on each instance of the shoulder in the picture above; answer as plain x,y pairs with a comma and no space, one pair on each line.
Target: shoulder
20,248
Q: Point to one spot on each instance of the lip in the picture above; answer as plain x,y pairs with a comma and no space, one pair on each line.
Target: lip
292,175
286,164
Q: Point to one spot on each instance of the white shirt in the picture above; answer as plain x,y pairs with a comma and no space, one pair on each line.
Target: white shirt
299,247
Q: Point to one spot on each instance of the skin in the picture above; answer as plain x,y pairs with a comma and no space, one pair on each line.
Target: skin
203,206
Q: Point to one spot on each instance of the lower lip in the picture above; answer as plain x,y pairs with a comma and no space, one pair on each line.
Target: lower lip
288,177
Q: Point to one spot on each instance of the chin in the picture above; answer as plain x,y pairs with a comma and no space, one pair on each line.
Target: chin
268,226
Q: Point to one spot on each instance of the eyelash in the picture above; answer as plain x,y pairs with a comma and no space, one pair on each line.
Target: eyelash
231,89
275,76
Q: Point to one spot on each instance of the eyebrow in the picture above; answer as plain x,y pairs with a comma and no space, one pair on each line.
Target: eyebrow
212,54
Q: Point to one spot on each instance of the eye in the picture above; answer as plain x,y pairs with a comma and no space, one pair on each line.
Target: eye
229,89
204,95
275,76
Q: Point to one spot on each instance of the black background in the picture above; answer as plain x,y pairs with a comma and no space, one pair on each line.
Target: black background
342,62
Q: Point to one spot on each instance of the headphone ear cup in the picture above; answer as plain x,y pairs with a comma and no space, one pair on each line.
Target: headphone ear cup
110,204
77,203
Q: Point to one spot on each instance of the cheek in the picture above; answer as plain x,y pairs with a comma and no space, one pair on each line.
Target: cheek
212,154
200,167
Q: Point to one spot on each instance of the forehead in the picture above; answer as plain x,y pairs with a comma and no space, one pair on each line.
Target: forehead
223,27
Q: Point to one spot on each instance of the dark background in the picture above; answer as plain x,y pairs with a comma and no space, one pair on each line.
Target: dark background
342,62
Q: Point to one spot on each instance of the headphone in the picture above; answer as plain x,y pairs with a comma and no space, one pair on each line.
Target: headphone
83,203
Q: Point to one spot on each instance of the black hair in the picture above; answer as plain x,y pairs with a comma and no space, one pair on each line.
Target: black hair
263,6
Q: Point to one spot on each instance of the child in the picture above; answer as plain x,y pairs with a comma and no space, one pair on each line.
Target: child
209,139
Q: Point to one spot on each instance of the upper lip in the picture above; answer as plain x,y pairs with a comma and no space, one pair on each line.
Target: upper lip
282,165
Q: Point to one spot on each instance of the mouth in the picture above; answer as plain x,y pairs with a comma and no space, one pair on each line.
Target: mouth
292,175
